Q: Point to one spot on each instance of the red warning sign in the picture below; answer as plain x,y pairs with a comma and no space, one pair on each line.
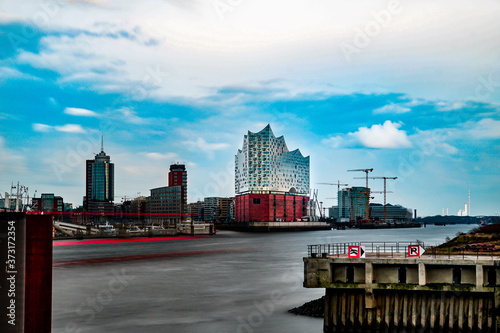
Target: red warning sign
415,250
356,252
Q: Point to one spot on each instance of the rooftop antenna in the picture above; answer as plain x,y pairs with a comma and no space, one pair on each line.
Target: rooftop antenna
102,143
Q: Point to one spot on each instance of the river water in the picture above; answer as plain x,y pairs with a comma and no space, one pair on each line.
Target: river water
230,282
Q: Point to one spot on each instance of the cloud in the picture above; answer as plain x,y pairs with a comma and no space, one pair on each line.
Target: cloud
80,112
205,147
484,129
387,135
449,149
7,73
130,116
335,142
161,156
68,128
443,106
42,128
391,108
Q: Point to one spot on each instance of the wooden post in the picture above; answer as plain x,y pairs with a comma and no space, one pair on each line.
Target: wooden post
405,311
480,315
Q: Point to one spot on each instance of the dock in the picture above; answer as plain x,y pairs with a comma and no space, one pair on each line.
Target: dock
384,287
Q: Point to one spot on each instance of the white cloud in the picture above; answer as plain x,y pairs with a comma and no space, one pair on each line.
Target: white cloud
68,128
116,55
80,112
449,149
391,108
484,129
205,147
335,142
42,128
130,116
443,106
7,73
387,135
161,156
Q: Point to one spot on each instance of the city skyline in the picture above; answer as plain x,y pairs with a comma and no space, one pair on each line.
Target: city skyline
411,90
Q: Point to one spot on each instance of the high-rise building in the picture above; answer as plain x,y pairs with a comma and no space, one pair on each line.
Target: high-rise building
177,176
353,201
168,204
100,184
271,182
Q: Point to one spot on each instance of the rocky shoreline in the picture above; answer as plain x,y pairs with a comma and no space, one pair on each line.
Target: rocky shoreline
314,308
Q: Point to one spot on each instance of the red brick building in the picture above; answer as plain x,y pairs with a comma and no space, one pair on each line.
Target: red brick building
270,207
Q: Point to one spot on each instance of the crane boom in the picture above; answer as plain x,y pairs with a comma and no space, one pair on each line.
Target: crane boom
367,195
385,192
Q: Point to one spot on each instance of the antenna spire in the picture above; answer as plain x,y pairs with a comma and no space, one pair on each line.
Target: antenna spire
102,143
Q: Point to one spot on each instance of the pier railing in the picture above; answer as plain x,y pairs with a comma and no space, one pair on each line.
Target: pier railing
374,249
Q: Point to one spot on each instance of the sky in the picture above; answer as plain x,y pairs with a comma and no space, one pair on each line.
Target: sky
408,88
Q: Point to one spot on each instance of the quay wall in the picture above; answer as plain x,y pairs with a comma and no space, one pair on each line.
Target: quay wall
407,295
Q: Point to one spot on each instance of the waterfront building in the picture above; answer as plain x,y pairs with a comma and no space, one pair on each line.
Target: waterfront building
100,184
333,212
394,213
168,204
138,205
177,176
196,211
217,209
48,202
355,197
271,182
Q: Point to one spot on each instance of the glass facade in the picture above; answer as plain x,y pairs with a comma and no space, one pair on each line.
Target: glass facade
265,163
102,178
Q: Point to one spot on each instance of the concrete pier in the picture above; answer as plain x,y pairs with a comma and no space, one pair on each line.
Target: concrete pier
407,294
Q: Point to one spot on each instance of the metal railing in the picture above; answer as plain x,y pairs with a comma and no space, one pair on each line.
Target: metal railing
375,249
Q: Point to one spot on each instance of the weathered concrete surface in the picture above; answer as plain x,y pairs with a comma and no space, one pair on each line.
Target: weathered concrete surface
424,294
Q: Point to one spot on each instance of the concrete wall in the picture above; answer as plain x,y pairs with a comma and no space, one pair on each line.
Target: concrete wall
385,274
439,274
339,273
429,301
412,274
468,275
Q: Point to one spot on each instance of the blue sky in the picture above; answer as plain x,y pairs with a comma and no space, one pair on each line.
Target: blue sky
409,89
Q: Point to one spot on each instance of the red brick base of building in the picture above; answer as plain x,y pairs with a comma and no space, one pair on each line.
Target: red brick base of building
270,207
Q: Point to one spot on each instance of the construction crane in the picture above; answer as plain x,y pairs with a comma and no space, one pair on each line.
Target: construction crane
338,184
367,194
365,171
385,191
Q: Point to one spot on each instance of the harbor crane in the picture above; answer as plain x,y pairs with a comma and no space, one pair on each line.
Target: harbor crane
385,191
367,194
